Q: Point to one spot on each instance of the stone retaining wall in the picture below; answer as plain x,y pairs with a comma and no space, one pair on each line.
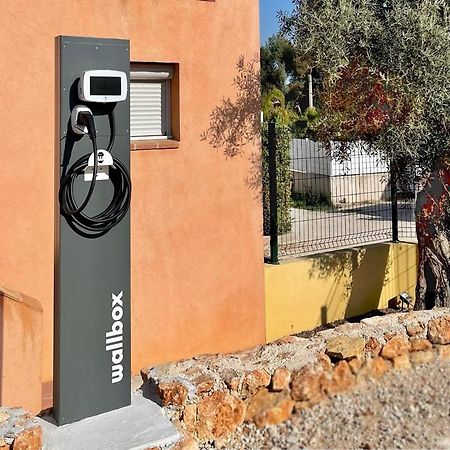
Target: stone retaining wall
211,395
19,430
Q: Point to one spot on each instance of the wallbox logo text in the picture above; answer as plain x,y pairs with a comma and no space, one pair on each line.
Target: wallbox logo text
114,338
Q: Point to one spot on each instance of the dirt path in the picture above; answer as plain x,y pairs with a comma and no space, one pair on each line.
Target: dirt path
405,409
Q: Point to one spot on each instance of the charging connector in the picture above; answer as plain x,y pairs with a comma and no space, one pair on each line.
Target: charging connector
83,121
78,119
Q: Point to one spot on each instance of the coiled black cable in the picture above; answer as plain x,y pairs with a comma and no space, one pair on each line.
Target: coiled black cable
120,178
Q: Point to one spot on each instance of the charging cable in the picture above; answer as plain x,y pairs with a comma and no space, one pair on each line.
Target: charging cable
118,207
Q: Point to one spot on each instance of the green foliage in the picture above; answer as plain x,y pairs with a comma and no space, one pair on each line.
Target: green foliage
384,67
313,201
277,64
284,88
306,125
274,107
280,71
284,177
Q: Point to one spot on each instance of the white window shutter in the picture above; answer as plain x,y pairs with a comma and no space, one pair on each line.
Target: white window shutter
148,109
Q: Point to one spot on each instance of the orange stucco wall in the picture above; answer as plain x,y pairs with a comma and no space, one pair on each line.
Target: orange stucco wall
197,272
20,350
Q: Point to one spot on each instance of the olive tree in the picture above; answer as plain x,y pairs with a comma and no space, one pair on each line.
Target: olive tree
385,78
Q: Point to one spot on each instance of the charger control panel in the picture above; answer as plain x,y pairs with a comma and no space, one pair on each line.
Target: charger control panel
103,86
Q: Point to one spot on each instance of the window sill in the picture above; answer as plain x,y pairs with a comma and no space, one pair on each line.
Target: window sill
156,144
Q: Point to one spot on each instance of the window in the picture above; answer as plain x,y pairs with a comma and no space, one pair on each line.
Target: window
150,102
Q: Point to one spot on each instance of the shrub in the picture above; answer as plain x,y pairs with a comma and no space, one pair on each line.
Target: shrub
312,201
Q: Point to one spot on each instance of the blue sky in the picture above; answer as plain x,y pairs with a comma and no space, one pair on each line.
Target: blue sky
268,16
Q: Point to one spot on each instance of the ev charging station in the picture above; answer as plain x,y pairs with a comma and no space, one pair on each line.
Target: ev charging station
92,262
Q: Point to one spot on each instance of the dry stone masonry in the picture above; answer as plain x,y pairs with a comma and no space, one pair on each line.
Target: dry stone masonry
210,396
19,430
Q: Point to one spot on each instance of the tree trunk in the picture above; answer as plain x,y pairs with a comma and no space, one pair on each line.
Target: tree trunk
433,234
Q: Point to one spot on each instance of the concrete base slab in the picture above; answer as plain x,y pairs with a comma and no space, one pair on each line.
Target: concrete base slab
138,426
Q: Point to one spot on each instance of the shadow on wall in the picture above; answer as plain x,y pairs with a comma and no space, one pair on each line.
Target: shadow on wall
303,293
359,274
236,122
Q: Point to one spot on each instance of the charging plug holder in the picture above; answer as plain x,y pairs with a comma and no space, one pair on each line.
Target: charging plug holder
78,126
104,162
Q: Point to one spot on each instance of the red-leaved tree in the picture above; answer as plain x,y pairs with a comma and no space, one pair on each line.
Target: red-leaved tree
385,79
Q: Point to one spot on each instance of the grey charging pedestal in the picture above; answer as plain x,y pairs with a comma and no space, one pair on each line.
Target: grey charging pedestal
92,273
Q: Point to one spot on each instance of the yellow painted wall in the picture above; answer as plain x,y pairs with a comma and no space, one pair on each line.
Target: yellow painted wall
304,293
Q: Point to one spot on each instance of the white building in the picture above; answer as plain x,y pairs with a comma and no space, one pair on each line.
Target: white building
361,178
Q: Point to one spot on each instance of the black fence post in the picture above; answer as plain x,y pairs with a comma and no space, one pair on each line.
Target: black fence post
394,202
273,193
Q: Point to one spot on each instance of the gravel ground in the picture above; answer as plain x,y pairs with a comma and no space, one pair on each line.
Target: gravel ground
406,409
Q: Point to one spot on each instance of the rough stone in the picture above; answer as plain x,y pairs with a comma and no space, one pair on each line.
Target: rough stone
260,402
349,327
389,335
286,340
381,322
355,365
250,354
422,357
326,334
24,420
269,408
194,372
324,361
373,347
342,379
280,379
189,417
439,330
415,329
396,346
234,383
232,379
395,412
207,357
308,385
219,415
344,347
187,442
314,377
277,414
204,383
402,362
379,367
443,352
156,371
172,393
418,345
4,416
29,439
254,380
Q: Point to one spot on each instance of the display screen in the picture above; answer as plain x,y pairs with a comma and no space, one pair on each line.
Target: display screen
105,86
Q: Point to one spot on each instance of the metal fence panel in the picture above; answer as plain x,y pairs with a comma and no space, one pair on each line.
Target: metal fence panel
341,204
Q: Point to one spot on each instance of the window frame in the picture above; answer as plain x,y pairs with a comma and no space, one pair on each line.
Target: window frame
155,73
